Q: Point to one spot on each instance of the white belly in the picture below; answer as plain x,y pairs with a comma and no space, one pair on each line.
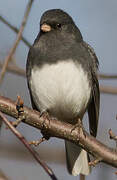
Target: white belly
62,88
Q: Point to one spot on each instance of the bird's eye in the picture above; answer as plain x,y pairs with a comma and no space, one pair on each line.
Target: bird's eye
58,25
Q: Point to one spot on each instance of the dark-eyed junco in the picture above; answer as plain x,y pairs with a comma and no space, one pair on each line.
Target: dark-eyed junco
62,79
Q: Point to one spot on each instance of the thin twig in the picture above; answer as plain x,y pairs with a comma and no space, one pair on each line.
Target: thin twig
82,177
19,35
94,162
12,68
108,89
3,176
16,30
37,142
107,76
26,144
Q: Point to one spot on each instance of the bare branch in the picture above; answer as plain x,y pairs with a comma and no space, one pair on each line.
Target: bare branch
108,89
16,30
62,130
82,177
14,69
19,35
107,76
26,144
38,142
3,176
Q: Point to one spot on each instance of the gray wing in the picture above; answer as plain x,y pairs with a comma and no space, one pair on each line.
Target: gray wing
93,108
32,102
29,65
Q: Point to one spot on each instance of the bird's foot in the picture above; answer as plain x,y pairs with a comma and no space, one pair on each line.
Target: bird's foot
46,136
44,113
79,126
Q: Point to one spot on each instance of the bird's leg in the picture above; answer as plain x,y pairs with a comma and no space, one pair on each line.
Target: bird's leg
44,113
79,126
20,110
46,136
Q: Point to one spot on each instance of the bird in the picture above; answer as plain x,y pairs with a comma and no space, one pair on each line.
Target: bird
62,79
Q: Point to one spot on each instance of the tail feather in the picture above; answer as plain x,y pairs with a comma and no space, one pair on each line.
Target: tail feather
77,159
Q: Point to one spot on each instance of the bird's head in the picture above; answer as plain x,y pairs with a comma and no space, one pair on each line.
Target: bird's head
58,21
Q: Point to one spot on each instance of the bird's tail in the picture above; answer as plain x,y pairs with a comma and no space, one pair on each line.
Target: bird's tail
77,159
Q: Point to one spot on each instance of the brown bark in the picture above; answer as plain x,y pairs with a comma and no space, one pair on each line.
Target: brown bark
62,130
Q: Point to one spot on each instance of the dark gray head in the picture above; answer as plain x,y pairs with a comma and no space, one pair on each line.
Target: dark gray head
56,20
55,16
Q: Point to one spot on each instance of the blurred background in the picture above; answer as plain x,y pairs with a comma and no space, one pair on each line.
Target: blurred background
97,21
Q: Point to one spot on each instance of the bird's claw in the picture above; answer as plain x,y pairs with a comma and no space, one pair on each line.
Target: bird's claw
79,126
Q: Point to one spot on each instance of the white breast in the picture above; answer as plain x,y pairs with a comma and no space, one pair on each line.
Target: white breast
62,88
